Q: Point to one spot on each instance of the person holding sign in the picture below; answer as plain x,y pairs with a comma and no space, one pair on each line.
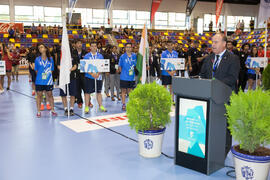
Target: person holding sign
90,79
7,57
166,76
252,71
127,63
44,67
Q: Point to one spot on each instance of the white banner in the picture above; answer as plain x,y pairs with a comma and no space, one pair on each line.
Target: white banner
172,64
2,67
94,65
258,62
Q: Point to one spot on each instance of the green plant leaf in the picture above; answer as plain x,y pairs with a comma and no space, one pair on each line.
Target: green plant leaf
249,118
149,107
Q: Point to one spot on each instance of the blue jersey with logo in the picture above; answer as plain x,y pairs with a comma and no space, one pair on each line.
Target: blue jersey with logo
248,61
127,65
44,70
167,54
90,56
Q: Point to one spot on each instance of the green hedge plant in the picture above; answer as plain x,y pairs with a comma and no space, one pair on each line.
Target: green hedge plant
266,78
249,119
149,107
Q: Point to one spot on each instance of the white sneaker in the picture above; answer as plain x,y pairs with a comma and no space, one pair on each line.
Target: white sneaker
2,91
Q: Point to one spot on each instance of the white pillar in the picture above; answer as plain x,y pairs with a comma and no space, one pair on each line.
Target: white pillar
63,10
12,11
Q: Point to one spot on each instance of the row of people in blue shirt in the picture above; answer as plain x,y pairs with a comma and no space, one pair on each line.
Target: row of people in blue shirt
126,66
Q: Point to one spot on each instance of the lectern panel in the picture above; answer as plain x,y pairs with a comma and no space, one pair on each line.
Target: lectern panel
192,126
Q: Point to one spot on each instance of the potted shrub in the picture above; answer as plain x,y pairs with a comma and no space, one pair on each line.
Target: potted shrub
249,123
266,78
148,113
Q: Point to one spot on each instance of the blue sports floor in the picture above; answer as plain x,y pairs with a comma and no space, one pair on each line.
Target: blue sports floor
43,149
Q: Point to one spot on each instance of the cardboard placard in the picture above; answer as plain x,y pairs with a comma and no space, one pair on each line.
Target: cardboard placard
172,64
94,65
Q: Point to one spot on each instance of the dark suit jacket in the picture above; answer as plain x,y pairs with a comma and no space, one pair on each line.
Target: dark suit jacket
227,71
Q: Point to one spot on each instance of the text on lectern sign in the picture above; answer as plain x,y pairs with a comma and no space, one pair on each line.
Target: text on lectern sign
192,126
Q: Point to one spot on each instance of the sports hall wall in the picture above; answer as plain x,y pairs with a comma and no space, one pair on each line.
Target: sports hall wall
200,9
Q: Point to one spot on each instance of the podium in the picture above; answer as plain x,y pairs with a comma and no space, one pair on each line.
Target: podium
200,123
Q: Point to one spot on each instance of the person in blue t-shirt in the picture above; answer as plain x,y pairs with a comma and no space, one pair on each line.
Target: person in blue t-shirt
166,76
90,80
127,63
252,72
44,67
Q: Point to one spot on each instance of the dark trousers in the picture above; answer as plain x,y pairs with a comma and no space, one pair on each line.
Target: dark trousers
242,80
195,69
155,68
80,87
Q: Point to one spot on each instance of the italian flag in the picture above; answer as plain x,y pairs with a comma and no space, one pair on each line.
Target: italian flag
143,56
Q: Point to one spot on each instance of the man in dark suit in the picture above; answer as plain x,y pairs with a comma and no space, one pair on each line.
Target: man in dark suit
221,64
224,66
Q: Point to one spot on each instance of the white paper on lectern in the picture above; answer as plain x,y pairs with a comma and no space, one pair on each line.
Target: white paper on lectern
94,65
172,64
2,67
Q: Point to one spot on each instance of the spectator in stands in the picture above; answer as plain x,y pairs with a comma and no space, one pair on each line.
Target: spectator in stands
39,29
193,54
243,70
121,31
252,73
11,32
242,26
114,74
219,27
126,31
85,30
100,32
7,57
17,33
33,29
251,24
59,29
132,31
115,30
210,26
50,30
15,62
45,29
55,30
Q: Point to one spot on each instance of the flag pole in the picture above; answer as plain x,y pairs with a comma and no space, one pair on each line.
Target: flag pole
265,43
68,99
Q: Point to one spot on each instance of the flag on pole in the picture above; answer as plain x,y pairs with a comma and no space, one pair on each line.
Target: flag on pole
71,5
264,12
143,56
154,8
218,10
65,63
